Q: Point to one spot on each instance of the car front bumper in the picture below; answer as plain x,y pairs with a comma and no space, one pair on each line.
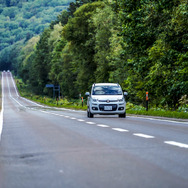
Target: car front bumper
107,108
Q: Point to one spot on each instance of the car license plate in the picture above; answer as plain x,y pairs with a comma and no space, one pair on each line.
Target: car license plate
107,107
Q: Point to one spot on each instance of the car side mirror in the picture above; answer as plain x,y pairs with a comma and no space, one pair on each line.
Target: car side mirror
87,94
125,93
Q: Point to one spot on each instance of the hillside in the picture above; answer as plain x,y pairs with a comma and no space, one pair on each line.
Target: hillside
23,19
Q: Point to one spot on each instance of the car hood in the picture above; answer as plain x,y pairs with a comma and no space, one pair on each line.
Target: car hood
107,97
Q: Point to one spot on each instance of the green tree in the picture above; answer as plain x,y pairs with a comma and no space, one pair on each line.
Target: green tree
41,63
56,43
83,43
26,57
103,23
153,41
68,75
168,74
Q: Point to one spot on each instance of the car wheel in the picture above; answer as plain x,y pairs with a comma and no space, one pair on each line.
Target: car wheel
89,114
122,115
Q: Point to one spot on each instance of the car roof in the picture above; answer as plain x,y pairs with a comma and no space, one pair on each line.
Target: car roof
104,84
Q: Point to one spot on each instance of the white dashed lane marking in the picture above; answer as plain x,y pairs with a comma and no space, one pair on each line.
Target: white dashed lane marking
143,135
181,145
80,120
120,130
91,123
104,126
173,143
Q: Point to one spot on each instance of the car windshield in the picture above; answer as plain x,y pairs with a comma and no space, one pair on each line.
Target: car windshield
107,90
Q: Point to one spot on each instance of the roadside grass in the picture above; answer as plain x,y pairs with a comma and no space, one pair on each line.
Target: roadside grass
140,110
61,103
169,114
77,104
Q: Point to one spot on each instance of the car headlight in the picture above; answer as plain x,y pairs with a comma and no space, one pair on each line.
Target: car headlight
121,100
94,100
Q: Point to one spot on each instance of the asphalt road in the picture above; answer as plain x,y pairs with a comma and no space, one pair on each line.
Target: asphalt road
44,147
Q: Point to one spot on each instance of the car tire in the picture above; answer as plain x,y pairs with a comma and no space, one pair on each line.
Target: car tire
89,114
122,115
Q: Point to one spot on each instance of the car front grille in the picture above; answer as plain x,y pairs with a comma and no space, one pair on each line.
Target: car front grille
114,107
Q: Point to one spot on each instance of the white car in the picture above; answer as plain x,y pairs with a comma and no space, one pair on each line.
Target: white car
106,98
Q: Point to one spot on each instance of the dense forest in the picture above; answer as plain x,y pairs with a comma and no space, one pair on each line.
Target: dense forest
21,20
140,44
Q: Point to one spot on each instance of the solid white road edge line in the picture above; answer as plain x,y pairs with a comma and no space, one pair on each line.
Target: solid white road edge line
14,85
10,95
2,109
143,135
22,97
155,119
120,130
181,145
37,103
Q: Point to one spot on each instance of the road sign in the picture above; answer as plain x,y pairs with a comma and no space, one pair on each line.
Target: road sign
49,85
55,88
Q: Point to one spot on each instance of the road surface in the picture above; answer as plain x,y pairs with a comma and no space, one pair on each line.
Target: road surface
59,148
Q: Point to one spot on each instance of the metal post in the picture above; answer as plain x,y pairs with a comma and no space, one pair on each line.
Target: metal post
82,101
59,92
147,101
53,92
